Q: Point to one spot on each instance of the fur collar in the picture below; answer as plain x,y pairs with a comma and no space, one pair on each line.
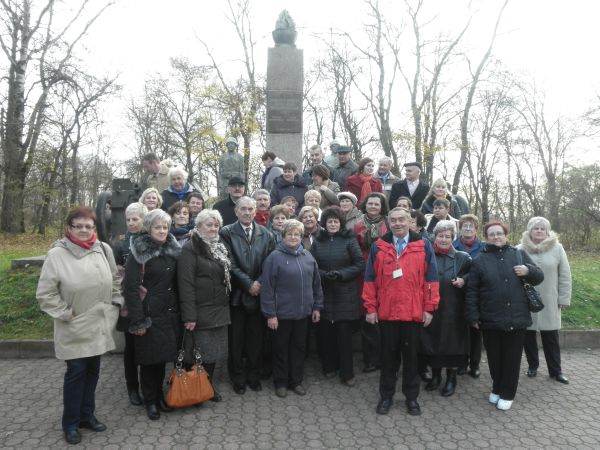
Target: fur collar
547,244
143,248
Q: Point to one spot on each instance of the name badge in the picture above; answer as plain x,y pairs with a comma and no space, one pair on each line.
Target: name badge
397,273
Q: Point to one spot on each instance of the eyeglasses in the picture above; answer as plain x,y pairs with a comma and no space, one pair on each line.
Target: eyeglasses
498,234
82,227
468,226
296,235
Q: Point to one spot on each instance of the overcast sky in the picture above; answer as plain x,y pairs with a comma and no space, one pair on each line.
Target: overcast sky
554,42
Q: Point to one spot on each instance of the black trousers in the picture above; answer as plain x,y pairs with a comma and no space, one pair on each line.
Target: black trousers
152,377
335,342
245,340
504,350
371,343
399,345
289,351
551,351
475,342
131,368
79,391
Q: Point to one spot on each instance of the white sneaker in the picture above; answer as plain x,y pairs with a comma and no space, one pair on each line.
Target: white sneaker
494,398
504,405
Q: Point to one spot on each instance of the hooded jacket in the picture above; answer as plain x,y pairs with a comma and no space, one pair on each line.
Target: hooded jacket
290,284
157,312
271,173
550,256
79,289
282,188
495,297
405,297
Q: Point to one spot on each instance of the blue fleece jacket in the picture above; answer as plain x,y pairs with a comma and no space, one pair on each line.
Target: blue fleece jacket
290,284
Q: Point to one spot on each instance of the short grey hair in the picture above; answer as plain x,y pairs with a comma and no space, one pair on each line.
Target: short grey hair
137,208
308,209
155,216
536,221
292,224
445,225
177,170
386,159
260,192
207,214
151,190
245,199
312,193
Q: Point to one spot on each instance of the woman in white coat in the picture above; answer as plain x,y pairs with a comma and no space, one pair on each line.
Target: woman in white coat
542,245
79,288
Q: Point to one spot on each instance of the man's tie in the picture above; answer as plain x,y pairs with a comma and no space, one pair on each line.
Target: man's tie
248,229
399,246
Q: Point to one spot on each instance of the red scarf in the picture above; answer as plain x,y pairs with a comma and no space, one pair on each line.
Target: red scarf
366,186
83,244
262,217
441,251
468,242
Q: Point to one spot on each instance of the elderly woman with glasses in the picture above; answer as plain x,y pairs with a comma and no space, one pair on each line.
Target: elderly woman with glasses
149,291
496,303
78,287
290,294
542,246
204,281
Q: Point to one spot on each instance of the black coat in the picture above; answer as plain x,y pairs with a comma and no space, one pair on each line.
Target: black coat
122,250
157,313
400,189
340,253
203,296
226,208
495,296
448,333
170,198
282,188
246,260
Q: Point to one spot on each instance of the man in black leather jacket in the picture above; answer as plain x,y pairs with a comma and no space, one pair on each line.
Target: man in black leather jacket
249,244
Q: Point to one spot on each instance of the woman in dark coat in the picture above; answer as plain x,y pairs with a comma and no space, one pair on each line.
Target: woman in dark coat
497,304
149,291
445,343
340,264
289,184
204,284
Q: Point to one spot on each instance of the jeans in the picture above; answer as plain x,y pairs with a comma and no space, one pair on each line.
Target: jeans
79,391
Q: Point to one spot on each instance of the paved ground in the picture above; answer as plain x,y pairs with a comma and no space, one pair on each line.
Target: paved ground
545,414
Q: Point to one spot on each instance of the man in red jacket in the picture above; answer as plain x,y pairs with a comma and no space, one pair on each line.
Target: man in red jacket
400,292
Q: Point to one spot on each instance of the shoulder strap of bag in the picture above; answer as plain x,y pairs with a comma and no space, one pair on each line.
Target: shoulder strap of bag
519,257
142,272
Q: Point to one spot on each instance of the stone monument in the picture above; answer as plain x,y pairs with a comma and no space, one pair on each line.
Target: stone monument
231,164
285,87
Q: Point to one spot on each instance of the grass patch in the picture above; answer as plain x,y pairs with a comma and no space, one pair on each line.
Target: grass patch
21,246
584,312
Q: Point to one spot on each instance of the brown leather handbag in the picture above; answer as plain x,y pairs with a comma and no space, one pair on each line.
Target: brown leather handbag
188,387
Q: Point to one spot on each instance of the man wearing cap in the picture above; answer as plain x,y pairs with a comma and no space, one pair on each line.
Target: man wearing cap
411,187
231,164
315,157
236,188
346,166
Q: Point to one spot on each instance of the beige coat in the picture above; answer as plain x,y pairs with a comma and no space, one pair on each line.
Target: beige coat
550,256
79,289
160,180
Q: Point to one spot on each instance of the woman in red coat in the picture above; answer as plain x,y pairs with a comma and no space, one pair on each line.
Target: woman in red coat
363,183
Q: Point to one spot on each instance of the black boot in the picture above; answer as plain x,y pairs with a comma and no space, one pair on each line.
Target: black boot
134,397
210,370
436,380
450,386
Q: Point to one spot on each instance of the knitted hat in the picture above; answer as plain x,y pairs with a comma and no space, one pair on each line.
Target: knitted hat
321,171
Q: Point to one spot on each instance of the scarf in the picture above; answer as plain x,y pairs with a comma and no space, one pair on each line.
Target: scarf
468,242
262,217
218,252
182,194
440,251
366,185
372,229
180,232
83,244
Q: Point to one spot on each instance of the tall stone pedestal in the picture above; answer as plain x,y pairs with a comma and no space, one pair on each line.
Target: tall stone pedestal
285,84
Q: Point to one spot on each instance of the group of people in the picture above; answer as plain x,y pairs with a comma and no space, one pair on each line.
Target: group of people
250,280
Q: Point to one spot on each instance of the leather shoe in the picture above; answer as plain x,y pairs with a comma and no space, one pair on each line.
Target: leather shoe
239,389
299,390
450,386
350,382
281,392
255,386
461,371
560,378
474,373
134,398
92,424
72,437
217,398
152,412
413,408
384,405
369,368
435,382
531,372
162,406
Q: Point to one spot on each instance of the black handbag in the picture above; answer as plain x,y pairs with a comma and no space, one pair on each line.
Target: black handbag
533,297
